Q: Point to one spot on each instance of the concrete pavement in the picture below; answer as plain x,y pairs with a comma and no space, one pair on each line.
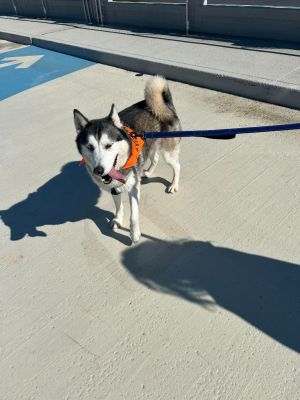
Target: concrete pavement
261,70
205,307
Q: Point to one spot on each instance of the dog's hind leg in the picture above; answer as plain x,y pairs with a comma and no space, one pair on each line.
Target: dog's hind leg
172,159
134,197
154,157
117,221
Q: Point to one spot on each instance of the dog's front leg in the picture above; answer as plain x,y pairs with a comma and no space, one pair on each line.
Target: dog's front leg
134,197
117,221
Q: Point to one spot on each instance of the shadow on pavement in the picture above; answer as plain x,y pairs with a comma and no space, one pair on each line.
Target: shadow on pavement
263,291
156,179
70,196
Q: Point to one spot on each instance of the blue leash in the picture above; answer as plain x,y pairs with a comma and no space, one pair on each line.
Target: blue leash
221,133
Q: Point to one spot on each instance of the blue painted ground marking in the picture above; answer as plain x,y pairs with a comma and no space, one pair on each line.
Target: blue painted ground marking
24,68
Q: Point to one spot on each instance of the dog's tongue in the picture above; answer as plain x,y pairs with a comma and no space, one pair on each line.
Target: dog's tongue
114,174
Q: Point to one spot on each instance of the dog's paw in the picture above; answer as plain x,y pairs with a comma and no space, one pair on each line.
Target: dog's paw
117,190
135,235
172,188
146,174
115,224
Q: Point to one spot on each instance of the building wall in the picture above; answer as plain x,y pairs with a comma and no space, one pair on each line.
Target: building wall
248,18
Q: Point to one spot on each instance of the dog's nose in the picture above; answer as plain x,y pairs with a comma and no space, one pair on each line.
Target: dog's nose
98,170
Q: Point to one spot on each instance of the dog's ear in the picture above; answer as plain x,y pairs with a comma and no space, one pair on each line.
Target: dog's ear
114,116
80,121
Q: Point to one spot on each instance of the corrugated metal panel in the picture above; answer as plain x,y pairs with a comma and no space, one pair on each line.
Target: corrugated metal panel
30,8
7,7
73,10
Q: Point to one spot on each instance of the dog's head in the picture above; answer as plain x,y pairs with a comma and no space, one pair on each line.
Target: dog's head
102,143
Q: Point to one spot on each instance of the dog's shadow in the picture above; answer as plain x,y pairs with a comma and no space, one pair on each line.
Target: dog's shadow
156,179
69,196
262,291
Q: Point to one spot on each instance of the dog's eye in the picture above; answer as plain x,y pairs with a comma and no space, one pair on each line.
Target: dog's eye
108,146
90,147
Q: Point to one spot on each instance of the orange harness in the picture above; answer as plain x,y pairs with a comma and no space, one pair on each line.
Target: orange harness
137,144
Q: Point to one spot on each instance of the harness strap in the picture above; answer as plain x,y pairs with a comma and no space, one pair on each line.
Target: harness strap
137,143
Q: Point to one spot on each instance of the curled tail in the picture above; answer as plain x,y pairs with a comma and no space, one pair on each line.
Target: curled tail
159,99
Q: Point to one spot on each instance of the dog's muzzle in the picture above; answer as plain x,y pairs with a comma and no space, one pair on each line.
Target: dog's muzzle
113,174
99,171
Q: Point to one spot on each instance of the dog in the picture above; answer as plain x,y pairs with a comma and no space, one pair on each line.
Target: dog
107,146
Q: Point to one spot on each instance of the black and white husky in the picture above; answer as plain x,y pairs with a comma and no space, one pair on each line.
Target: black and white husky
105,147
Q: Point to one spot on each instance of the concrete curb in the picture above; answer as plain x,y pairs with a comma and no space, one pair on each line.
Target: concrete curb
261,90
16,37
